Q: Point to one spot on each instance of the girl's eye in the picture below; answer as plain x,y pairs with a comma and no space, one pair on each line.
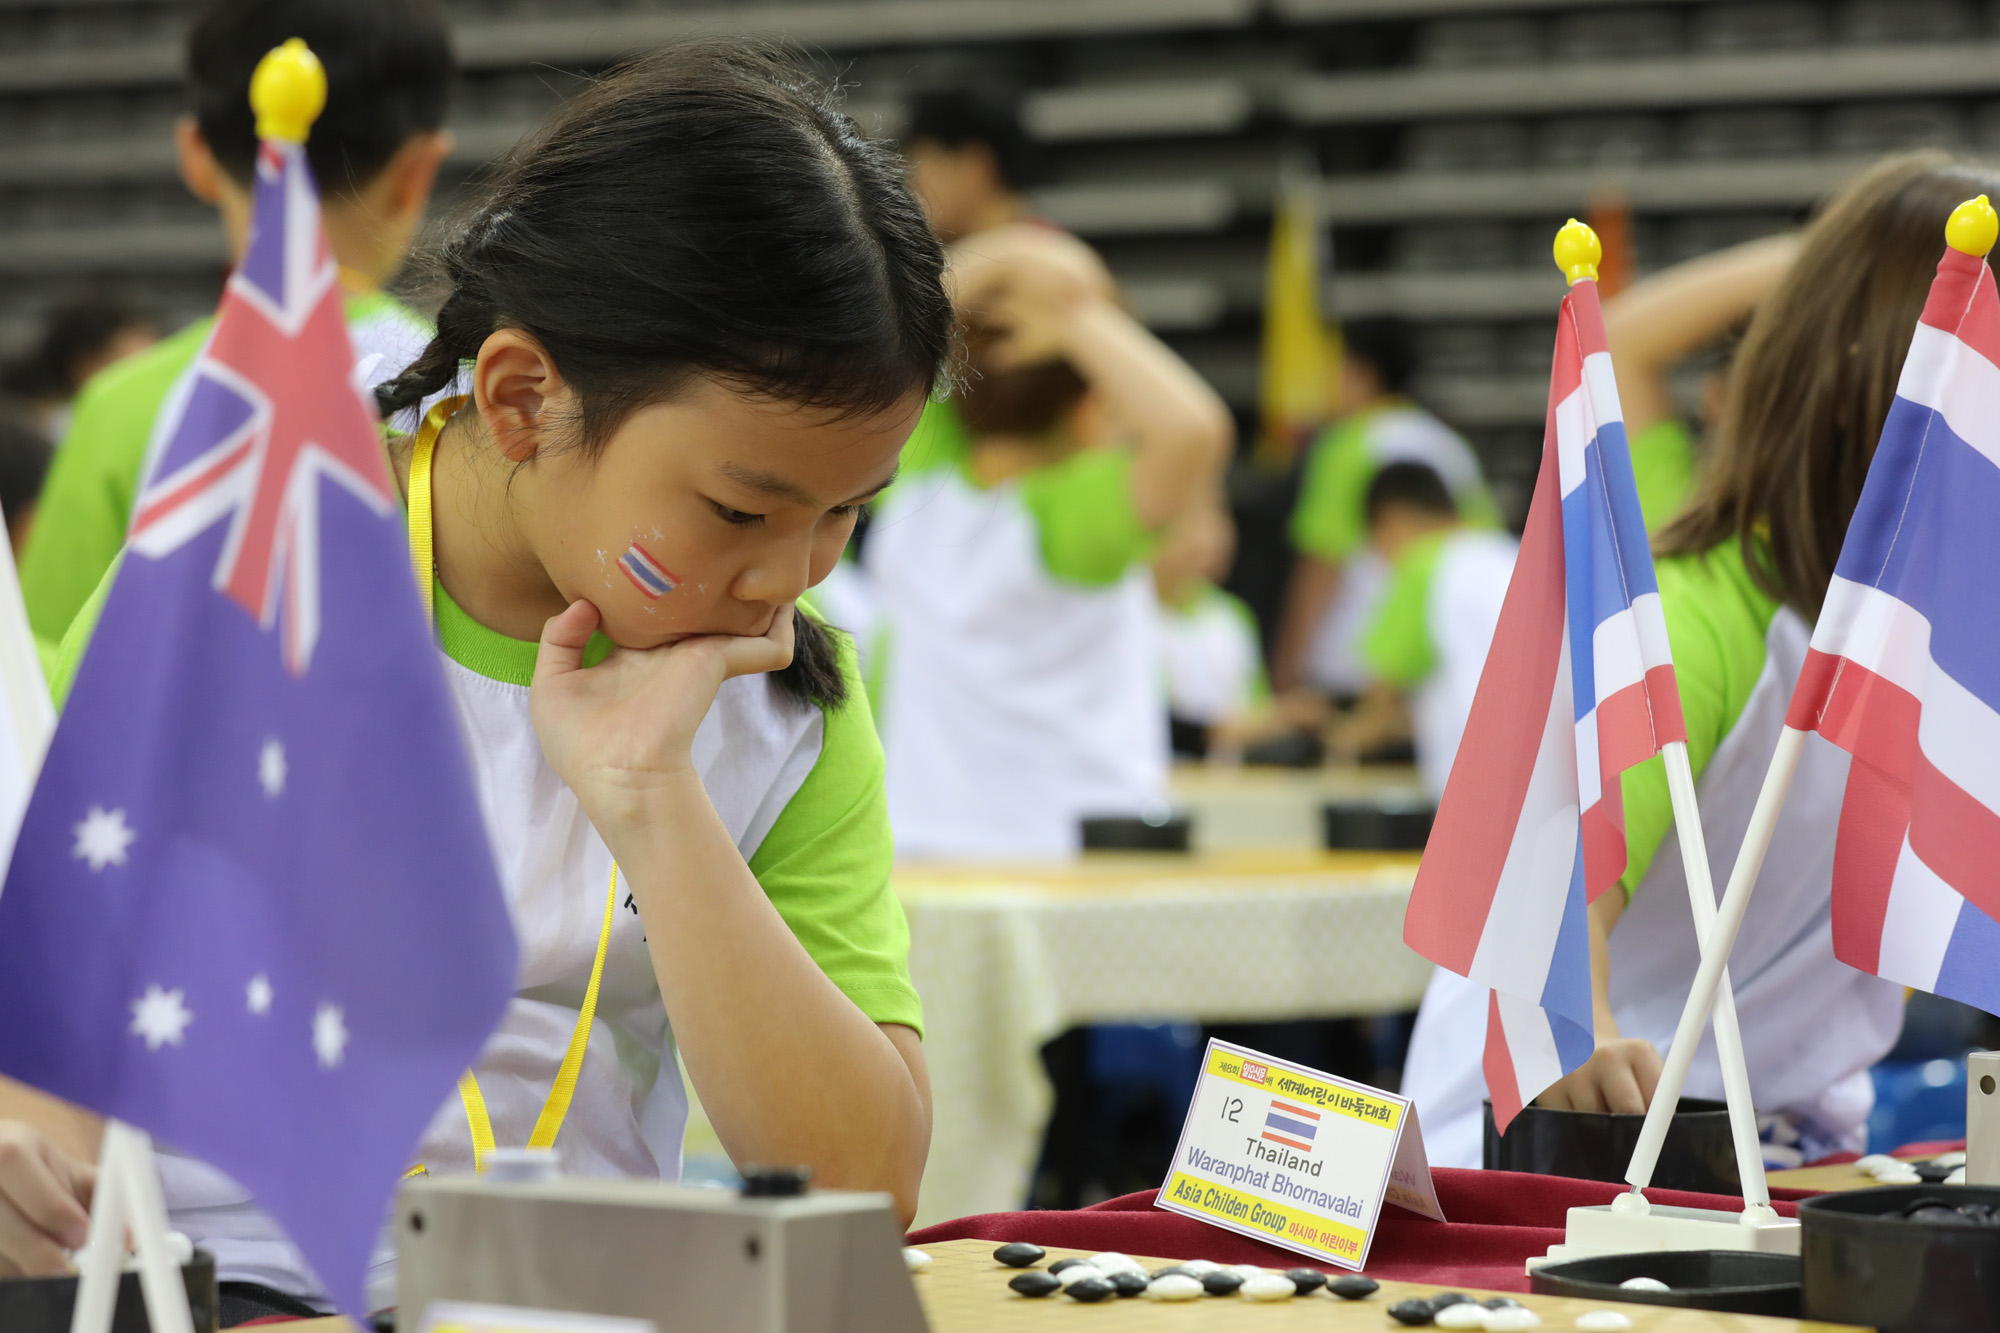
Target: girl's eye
844,511
735,517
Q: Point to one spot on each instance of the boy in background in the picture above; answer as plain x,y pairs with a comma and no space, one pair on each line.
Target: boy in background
1337,576
1427,642
376,150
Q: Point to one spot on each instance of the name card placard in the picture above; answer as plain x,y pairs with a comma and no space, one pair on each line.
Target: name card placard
1295,1157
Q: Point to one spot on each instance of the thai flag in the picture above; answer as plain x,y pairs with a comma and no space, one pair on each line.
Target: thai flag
1578,687
1293,1126
1904,671
647,574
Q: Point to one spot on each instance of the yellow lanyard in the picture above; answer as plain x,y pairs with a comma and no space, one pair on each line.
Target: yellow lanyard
422,558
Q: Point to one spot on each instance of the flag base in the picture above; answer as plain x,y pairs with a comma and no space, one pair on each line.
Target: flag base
1611,1229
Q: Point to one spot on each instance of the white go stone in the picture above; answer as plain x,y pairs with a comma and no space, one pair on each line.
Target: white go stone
1604,1321
1248,1271
1874,1162
1512,1319
1948,1159
1268,1287
1174,1287
1198,1268
916,1261
1956,1177
1460,1317
1644,1284
1076,1273
1113,1262
1898,1178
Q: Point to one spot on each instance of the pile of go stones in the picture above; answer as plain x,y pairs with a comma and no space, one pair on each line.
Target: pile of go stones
1113,1276
1110,1275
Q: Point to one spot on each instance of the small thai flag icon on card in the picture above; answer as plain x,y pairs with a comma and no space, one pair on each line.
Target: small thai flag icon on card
1293,1126
646,573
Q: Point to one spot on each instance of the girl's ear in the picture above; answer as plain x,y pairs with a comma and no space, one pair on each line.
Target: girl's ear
515,384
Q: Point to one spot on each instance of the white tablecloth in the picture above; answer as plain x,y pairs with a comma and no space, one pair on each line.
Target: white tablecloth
1007,959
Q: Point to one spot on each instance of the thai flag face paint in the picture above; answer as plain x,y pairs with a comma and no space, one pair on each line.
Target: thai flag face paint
648,575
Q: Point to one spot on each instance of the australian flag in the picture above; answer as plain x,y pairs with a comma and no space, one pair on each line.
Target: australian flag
252,909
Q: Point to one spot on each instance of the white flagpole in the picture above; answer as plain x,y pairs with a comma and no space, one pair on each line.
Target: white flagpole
1728,1037
1721,938
128,1200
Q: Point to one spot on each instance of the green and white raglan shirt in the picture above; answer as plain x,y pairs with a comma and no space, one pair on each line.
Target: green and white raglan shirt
1330,520
1020,682
1213,656
1431,630
800,788
1811,1026
86,504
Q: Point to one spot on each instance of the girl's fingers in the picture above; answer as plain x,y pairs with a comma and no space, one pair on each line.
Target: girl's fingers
770,652
564,638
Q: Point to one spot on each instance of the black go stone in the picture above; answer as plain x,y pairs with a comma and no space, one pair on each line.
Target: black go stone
1306,1280
1933,1174
1222,1282
1089,1290
1501,1303
1128,1283
1354,1287
1444,1300
1414,1312
1019,1254
1035,1283
1061,1264
1171,1270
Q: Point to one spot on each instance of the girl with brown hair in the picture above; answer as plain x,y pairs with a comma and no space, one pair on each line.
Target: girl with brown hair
1742,572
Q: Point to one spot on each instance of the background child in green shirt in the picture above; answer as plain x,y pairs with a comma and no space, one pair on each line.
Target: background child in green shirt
376,150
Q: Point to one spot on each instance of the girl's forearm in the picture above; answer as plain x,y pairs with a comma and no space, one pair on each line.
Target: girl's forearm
788,1069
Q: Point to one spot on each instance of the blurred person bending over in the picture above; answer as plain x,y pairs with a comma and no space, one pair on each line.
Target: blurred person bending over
24,463
79,337
1337,577
1020,689
1218,697
376,150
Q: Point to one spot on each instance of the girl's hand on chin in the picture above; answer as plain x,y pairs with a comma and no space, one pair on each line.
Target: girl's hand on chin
620,733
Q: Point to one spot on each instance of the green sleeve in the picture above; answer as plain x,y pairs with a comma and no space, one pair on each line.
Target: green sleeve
1663,468
86,503
1398,647
62,672
1330,519
1716,625
825,866
1082,507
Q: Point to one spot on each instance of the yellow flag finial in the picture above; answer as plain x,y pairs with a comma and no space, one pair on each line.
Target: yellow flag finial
287,92
1973,226
1578,251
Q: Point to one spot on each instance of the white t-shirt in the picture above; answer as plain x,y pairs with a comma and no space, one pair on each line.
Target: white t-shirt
1021,686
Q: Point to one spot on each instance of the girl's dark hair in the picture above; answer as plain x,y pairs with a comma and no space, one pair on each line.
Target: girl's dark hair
1814,376
702,211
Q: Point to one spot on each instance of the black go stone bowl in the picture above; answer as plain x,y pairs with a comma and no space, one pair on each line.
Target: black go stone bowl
1863,1265
44,1304
1591,1145
1377,826
1136,833
1733,1281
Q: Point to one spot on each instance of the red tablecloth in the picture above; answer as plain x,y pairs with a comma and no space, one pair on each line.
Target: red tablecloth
1498,1219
